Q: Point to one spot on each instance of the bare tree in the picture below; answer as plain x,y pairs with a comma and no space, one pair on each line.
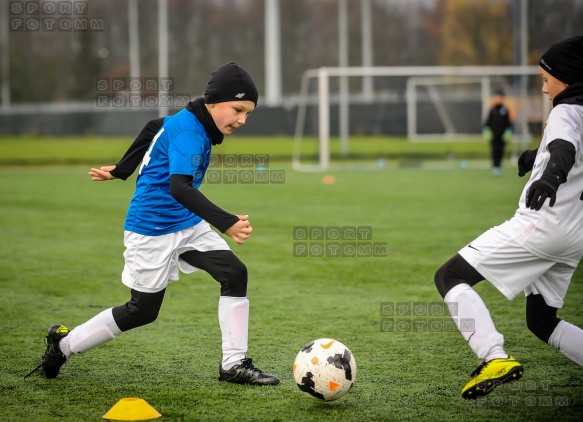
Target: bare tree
477,32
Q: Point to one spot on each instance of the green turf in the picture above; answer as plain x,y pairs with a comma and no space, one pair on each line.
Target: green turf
33,150
61,259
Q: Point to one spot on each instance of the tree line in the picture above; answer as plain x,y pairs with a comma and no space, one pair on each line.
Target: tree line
62,65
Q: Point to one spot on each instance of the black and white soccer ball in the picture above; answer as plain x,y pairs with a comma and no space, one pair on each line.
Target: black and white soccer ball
325,369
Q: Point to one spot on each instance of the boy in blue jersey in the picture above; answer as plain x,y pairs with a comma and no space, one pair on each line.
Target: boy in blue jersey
167,228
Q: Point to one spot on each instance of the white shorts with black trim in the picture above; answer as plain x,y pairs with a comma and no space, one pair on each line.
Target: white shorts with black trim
501,259
151,262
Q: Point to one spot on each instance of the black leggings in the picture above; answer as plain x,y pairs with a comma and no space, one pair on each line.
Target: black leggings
453,272
223,266
497,151
541,319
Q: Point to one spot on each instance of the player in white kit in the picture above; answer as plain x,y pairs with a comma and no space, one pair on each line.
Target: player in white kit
539,248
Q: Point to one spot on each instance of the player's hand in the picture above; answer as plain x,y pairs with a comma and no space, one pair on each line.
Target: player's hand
507,135
540,190
526,161
102,174
241,230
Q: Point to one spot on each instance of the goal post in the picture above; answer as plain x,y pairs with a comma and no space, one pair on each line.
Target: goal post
428,76
430,83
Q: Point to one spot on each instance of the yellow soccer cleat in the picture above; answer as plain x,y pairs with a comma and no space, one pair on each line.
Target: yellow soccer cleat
490,375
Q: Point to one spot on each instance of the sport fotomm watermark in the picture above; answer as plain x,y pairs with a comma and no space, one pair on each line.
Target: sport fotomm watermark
52,16
122,92
530,395
336,241
421,317
245,169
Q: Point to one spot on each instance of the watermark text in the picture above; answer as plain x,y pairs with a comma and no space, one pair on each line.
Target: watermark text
52,16
423,317
336,241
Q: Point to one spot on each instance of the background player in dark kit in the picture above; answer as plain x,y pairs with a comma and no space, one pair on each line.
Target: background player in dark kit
167,230
498,126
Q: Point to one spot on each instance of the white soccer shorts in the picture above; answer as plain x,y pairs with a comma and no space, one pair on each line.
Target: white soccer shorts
151,262
504,262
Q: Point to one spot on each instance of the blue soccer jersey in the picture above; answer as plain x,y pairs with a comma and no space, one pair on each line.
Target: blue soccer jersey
181,146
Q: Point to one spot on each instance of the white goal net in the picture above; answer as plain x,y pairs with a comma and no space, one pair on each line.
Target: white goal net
421,103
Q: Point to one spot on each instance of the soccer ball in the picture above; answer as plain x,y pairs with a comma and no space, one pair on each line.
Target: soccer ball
325,369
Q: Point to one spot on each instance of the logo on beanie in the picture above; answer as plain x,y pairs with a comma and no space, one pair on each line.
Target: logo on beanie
240,95
546,65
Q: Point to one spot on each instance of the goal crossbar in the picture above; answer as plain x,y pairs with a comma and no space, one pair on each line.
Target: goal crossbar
323,74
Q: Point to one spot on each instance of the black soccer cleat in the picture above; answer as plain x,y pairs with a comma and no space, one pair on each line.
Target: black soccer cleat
53,358
247,373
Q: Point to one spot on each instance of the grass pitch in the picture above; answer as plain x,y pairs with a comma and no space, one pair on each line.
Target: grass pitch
61,260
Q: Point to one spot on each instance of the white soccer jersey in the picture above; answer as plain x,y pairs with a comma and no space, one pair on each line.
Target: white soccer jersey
556,233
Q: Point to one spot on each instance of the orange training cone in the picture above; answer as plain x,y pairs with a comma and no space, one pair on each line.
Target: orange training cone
328,179
132,409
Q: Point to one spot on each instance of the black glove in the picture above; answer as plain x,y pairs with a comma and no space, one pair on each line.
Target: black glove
526,161
558,167
540,190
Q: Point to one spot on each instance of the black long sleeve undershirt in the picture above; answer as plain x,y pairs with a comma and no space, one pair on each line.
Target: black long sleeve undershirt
193,200
134,155
561,161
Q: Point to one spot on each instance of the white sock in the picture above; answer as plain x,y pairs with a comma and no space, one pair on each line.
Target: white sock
98,330
475,323
234,323
568,338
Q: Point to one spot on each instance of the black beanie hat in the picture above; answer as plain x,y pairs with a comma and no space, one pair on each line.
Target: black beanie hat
230,82
564,60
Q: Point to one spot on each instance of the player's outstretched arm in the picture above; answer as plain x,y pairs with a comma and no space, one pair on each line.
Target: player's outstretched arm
102,174
135,153
241,230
